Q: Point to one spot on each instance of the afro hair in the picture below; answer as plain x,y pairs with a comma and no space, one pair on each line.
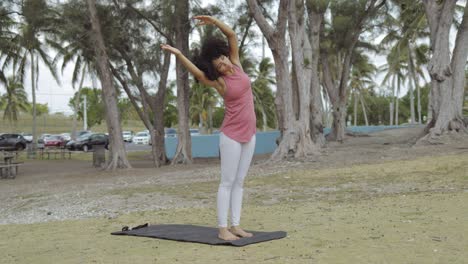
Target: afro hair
211,49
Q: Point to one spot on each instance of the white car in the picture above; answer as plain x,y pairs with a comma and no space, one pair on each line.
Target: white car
127,136
142,138
66,136
28,137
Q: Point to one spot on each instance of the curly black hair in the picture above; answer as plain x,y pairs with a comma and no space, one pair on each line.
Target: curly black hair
211,49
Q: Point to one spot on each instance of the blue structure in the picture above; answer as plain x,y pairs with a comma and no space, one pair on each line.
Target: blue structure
206,146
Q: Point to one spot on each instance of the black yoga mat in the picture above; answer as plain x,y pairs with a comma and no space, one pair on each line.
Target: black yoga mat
197,234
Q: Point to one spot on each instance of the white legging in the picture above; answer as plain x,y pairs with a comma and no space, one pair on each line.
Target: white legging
235,162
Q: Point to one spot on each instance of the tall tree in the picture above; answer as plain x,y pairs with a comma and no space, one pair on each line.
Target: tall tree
315,13
138,57
37,18
183,152
294,88
447,72
349,19
276,39
362,74
118,156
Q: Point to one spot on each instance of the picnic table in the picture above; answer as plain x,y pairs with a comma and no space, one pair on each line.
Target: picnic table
9,167
56,153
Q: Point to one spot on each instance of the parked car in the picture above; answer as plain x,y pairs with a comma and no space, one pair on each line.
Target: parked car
12,142
82,132
194,132
87,141
127,136
142,138
66,137
54,141
170,132
40,140
28,137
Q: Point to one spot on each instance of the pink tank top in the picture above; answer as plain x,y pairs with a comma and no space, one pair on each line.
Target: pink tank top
239,123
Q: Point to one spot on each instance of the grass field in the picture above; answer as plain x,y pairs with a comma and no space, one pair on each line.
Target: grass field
392,212
58,123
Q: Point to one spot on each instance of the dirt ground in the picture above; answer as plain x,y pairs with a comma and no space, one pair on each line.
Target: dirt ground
375,198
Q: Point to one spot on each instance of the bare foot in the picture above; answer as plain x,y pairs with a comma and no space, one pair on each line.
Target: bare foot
225,234
240,232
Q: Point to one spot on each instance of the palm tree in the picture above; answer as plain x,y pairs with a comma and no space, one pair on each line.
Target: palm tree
362,74
263,95
202,100
404,32
396,72
14,100
76,50
7,49
34,39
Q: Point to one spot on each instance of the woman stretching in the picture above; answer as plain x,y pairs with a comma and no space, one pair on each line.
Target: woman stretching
218,66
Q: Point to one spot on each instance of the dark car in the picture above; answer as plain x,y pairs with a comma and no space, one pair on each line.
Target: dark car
87,141
12,142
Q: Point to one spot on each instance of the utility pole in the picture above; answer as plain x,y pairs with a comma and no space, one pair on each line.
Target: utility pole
85,114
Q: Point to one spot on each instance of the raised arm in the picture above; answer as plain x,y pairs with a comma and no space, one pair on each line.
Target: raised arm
197,73
228,32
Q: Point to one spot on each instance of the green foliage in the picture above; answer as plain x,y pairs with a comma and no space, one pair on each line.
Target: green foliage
41,109
378,110
218,116
170,109
95,108
264,98
14,100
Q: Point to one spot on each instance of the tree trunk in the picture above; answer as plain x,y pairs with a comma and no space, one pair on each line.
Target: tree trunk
118,156
315,16
355,108
397,103
364,112
411,87
391,113
447,75
338,128
297,139
210,119
183,152
277,42
34,113
264,118
158,139
77,105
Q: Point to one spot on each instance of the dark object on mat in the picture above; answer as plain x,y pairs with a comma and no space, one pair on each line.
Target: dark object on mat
197,234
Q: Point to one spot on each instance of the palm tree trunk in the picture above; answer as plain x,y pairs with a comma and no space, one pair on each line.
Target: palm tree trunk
397,103
33,92
210,119
418,89
355,107
411,88
264,118
391,113
76,103
364,112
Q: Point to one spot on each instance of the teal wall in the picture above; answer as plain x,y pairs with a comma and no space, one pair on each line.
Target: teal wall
208,145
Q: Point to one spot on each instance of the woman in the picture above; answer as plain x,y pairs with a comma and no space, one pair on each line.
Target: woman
218,66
